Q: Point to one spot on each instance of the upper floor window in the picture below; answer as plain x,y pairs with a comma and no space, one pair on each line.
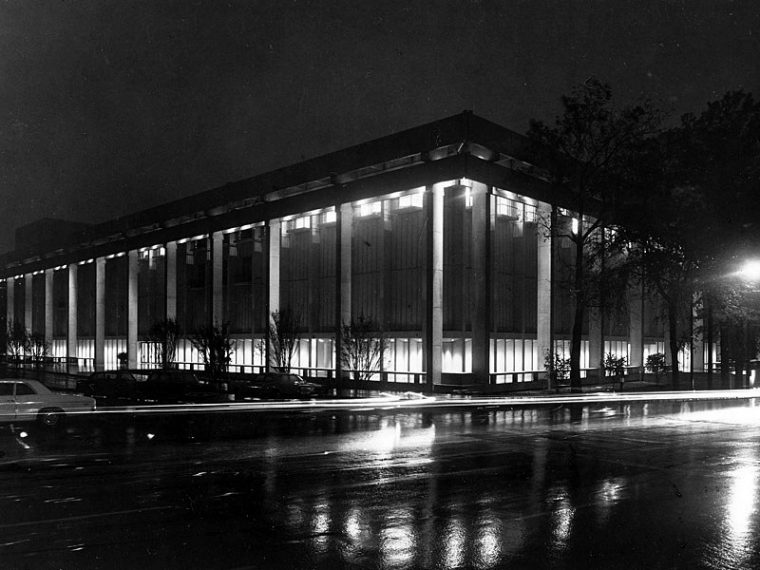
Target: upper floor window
370,208
531,213
329,217
508,208
302,223
410,201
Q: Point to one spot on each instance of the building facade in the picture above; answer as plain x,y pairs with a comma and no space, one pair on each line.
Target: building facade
438,233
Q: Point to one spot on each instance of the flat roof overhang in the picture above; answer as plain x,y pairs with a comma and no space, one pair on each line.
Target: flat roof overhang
462,146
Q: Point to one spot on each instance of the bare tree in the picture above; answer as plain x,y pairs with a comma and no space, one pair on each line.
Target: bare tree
18,340
165,333
586,155
284,334
363,347
38,348
215,346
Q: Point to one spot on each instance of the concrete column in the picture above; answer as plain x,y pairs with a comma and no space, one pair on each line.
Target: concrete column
480,282
314,292
596,342
343,229
170,264
28,301
636,326
49,309
273,262
132,308
346,230
10,307
433,340
217,278
386,306
72,340
274,234
100,313
544,283
698,351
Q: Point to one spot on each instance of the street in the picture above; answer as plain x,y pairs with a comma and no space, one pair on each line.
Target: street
598,484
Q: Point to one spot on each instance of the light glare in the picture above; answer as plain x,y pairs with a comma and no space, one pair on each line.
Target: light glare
750,271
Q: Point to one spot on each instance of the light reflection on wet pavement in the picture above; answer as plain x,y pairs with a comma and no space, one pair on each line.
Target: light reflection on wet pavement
597,485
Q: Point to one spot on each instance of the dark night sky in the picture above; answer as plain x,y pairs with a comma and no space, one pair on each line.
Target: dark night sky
111,106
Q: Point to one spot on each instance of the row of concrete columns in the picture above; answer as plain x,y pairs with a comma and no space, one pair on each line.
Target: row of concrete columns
100,300
433,325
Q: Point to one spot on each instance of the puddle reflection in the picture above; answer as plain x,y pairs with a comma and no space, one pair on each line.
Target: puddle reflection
468,490
741,508
562,513
488,541
454,544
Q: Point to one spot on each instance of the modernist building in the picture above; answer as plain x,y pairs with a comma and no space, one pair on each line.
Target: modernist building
438,233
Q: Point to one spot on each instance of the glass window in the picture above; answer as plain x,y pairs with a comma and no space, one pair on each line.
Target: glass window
6,389
329,217
23,389
302,223
508,208
531,215
410,201
370,208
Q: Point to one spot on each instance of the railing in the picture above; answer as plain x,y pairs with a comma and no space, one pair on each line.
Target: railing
525,376
200,367
516,377
314,373
385,376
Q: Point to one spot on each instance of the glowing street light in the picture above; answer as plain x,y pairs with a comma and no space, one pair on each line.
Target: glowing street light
750,271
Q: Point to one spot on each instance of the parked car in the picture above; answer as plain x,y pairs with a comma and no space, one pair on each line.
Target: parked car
112,386
283,385
174,386
29,400
273,385
246,389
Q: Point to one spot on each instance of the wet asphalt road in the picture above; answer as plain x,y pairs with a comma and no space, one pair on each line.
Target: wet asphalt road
599,485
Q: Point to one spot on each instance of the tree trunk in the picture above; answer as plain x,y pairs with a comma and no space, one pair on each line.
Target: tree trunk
738,374
577,333
673,329
725,370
